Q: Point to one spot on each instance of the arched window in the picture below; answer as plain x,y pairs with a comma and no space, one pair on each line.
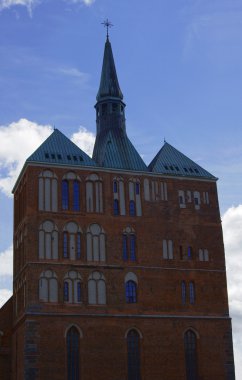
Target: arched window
70,196
189,253
72,287
167,249
73,354
47,191
133,348
183,292
131,282
94,193
190,343
129,244
96,243
197,199
134,197
96,289
192,292
48,240
48,287
72,241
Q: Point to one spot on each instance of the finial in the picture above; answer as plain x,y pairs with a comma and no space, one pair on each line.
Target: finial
164,140
107,24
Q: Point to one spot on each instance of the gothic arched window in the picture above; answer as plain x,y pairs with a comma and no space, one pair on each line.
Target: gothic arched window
192,292
131,287
96,243
96,289
72,236
134,197
70,192
72,287
190,343
48,240
129,244
118,196
48,286
73,354
133,348
47,191
94,193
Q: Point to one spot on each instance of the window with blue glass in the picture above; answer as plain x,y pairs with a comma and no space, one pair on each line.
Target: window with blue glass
115,187
76,195
183,292
189,253
73,354
65,195
116,207
190,343
125,247
78,245
65,245
66,291
192,292
133,348
132,247
137,188
79,293
131,291
132,208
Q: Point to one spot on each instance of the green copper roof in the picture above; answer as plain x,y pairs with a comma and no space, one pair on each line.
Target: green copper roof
170,161
113,149
58,149
109,86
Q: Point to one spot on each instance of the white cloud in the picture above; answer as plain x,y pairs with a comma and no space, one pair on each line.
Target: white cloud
6,262
232,227
29,4
18,141
84,139
75,73
5,294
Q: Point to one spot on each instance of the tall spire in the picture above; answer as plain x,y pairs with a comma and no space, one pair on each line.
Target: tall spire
109,86
112,147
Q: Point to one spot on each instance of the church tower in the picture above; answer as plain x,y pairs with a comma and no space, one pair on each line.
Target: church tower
119,267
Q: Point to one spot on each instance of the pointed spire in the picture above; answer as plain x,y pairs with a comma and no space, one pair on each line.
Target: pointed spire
109,86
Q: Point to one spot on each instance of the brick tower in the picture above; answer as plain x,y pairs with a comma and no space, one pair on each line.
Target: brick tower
119,267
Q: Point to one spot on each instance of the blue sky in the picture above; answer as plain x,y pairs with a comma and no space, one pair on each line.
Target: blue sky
179,67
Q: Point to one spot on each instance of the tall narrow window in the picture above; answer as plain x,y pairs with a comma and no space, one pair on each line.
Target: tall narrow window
48,287
190,343
134,197
72,287
167,249
65,195
76,195
48,191
73,354
131,292
96,243
48,240
96,289
133,348
118,196
72,241
132,211
94,194
183,292
192,292
189,253
125,247
116,207
129,244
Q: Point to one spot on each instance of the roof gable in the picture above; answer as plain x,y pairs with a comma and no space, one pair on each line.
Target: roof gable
58,149
170,161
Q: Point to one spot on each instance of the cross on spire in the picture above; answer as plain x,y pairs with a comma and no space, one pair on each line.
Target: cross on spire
107,24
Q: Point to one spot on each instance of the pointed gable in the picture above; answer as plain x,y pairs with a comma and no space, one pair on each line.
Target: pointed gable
170,161
58,149
115,150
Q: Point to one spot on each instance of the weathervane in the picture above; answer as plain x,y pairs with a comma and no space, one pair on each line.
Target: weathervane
107,24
